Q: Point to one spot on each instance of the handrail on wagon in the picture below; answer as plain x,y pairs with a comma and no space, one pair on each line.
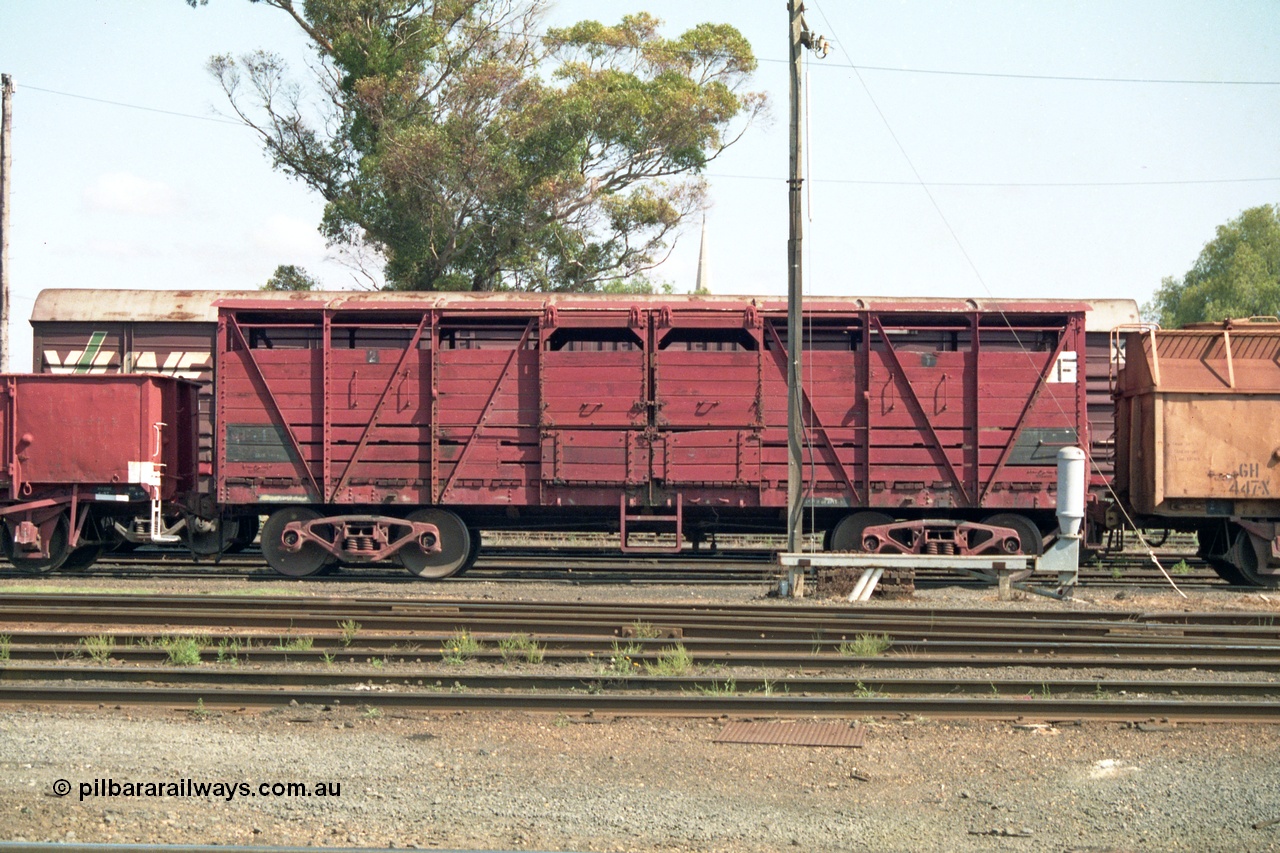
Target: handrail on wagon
1150,329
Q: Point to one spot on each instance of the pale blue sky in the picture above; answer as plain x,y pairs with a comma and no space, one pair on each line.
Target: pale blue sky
110,196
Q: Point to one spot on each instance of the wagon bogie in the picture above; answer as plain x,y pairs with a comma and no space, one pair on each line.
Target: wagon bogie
36,542
302,541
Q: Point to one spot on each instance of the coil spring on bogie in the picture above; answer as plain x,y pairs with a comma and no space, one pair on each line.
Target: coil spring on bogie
359,544
360,541
938,546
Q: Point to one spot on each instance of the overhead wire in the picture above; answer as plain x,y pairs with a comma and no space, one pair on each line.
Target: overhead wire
215,119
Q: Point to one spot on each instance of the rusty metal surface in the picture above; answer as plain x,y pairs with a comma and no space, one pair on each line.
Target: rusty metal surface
1196,416
785,733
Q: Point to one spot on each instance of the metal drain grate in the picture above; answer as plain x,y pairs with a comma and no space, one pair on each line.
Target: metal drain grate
794,734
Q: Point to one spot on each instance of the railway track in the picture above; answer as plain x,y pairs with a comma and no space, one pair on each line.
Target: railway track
1056,699
774,660
598,566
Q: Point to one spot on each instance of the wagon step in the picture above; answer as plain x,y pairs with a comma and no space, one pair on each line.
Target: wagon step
661,524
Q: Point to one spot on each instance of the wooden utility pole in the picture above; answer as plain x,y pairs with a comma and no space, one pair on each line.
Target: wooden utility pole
800,38
6,167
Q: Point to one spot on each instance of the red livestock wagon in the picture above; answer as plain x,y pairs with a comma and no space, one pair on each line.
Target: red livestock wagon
83,453
396,428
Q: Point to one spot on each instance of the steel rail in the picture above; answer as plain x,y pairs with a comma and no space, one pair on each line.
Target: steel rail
593,564
1099,689
434,623
781,611
1049,709
1086,659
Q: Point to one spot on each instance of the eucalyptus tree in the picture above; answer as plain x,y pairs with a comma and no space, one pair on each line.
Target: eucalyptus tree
473,151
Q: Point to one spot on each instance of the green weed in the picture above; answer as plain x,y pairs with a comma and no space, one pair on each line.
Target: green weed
672,661
229,650
621,661
521,647
644,631
728,687
770,688
182,651
350,628
460,648
98,647
865,646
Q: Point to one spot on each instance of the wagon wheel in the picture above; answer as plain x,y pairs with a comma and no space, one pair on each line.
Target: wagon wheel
308,559
1214,540
475,552
1031,540
246,532
1243,557
58,550
455,544
847,534
83,557
209,538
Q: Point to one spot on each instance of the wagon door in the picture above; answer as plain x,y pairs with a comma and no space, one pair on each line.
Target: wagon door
486,448
593,389
706,374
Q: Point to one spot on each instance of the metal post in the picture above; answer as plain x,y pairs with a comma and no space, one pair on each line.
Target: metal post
6,167
795,426
800,38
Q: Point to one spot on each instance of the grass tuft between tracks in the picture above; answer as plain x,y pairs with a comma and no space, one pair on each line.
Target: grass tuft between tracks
520,647
460,648
98,648
865,646
672,661
350,628
182,651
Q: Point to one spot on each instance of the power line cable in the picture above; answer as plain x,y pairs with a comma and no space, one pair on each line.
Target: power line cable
1004,184
854,181
1062,78
999,75
132,106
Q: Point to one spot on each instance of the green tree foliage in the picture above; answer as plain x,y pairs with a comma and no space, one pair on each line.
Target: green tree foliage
474,154
290,277
1236,275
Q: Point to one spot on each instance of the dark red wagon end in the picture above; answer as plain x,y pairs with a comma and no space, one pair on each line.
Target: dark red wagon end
82,453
